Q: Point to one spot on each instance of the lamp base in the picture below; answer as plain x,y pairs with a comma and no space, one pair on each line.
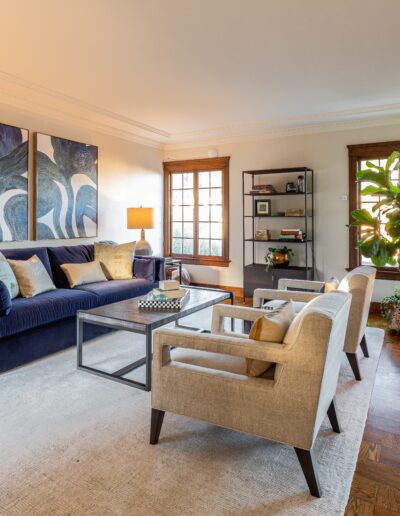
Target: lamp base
143,248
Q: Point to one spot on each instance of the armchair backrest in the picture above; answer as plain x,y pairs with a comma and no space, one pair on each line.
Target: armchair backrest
360,283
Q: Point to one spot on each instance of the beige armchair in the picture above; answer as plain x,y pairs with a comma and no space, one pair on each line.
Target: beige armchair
204,377
359,282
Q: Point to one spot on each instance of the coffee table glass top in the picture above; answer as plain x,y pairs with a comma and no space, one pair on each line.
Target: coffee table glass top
130,312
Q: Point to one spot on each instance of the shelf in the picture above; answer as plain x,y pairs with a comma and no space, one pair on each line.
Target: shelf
276,193
277,171
277,216
278,240
288,268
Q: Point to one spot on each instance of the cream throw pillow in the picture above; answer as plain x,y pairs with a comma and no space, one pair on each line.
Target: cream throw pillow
331,284
116,260
83,273
270,327
8,277
32,277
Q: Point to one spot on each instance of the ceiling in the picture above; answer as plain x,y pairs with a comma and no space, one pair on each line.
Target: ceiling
184,70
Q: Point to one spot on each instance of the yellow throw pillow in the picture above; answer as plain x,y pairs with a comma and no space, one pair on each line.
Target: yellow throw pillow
83,273
269,327
32,277
116,260
331,284
7,276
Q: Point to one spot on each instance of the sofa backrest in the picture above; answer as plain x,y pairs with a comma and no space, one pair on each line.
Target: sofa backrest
28,252
68,254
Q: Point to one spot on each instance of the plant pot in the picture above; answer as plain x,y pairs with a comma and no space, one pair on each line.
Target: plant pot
393,317
280,259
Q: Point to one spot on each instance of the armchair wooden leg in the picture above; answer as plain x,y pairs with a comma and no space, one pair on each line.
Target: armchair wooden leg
354,365
157,418
364,347
333,417
308,465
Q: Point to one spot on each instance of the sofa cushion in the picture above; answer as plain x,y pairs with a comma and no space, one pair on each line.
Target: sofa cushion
83,273
28,252
68,254
117,290
5,300
144,268
7,277
32,276
116,260
44,308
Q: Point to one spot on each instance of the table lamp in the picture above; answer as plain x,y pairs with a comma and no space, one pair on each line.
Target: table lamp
141,218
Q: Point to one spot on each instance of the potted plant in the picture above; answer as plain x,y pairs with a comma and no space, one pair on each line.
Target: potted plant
278,257
381,248
390,307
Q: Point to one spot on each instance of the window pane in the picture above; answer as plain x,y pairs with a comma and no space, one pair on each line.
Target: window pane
204,247
176,229
188,197
216,195
216,247
216,230
188,246
188,229
176,181
216,213
188,213
177,245
188,180
176,197
176,213
216,178
204,196
204,179
204,213
204,230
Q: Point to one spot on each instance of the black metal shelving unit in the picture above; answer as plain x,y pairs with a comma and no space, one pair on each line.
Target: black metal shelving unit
254,274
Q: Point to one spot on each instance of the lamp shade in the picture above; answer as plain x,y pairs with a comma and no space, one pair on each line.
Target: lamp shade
140,218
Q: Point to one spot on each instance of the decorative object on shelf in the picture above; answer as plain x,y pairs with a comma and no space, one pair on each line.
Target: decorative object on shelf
278,257
66,178
301,184
263,189
291,187
262,234
390,308
294,212
13,183
262,207
278,214
292,235
373,243
141,218
161,304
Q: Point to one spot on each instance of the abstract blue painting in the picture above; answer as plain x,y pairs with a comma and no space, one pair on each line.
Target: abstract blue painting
13,183
66,188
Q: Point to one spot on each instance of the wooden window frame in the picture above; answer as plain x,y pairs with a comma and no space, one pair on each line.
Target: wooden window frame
366,151
197,165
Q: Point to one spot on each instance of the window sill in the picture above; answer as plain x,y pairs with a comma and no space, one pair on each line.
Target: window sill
212,262
384,273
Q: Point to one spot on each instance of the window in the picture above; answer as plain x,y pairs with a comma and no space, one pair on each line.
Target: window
358,155
196,210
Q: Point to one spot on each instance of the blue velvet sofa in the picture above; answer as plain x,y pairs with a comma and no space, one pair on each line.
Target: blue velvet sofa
45,323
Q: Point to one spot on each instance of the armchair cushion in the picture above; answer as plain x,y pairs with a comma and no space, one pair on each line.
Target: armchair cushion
269,327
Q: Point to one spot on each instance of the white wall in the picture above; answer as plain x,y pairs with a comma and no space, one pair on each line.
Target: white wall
326,153
129,175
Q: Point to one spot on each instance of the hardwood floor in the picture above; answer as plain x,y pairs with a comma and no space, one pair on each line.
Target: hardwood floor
376,483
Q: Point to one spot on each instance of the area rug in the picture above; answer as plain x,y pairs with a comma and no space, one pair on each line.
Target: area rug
76,444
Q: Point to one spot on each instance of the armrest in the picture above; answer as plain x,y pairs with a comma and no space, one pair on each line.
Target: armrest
299,284
262,294
164,339
149,267
237,312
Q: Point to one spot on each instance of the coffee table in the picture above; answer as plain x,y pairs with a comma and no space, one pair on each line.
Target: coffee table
127,316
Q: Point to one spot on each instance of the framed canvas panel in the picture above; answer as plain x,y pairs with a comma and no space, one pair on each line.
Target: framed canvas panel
13,183
66,188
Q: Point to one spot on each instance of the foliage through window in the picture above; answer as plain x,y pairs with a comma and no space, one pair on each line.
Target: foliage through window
196,210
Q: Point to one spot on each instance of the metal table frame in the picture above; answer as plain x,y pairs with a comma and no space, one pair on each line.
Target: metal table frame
143,329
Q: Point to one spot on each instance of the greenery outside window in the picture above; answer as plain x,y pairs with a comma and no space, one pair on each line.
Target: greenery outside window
196,211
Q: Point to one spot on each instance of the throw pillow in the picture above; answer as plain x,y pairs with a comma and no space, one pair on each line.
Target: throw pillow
8,277
271,327
116,260
331,284
83,273
145,268
5,300
32,276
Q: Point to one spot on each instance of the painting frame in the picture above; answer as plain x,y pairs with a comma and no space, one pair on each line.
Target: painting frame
14,176
262,207
58,162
